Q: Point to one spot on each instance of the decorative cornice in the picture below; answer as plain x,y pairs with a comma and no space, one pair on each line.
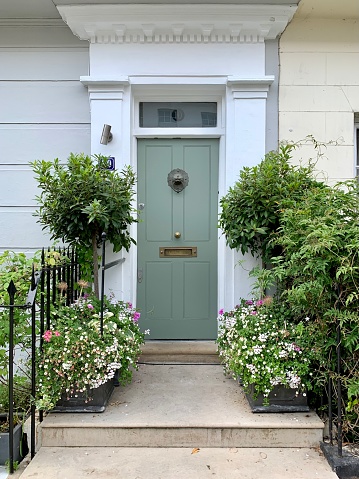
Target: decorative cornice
177,23
245,88
102,82
252,84
105,88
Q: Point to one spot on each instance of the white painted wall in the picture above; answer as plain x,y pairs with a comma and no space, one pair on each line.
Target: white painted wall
44,114
319,84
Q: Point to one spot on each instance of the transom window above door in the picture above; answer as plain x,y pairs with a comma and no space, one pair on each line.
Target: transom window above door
178,114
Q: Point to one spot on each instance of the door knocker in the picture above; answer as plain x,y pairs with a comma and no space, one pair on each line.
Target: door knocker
177,179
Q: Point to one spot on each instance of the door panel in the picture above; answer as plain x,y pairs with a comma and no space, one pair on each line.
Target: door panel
177,296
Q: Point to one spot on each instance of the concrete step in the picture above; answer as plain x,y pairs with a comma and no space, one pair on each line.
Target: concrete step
172,463
181,406
179,352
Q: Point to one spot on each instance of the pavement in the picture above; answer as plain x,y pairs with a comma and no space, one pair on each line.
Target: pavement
178,463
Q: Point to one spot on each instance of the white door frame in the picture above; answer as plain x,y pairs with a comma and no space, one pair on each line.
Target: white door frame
241,130
178,92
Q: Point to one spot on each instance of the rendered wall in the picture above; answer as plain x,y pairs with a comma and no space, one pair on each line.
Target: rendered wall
319,86
44,114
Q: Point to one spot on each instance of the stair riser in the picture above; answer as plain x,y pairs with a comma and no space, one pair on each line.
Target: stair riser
179,359
180,437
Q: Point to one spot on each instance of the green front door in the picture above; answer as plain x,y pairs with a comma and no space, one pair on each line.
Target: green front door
177,238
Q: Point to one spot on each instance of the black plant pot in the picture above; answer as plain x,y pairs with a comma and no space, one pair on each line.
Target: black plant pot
19,443
281,399
93,400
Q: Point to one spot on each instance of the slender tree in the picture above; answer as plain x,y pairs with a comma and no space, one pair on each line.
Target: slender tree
82,199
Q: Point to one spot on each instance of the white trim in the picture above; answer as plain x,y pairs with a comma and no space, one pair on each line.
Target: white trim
32,22
105,83
141,93
190,23
241,132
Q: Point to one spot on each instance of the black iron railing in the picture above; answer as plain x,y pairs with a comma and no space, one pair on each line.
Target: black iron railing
58,267
336,376
65,270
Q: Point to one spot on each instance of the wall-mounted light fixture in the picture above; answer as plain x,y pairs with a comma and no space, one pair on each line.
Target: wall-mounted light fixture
106,136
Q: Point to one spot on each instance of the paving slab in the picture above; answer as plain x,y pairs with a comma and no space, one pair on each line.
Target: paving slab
172,463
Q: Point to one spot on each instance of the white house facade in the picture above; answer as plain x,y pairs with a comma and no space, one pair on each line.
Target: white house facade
319,84
189,87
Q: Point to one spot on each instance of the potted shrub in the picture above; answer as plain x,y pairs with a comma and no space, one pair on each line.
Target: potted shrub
82,199
269,355
77,361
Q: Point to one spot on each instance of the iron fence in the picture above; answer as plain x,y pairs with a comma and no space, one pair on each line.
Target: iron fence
66,270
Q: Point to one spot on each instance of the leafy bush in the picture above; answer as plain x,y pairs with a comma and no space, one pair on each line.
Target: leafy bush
14,267
22,395
318,276
82,199
309,234
250,211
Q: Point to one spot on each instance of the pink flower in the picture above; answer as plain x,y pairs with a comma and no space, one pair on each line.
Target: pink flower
136,316
260,302
221,311
253,313
90,306
129,305
56,333
47,336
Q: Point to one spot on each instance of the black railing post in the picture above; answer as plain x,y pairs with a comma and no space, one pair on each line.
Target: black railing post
33,365
339,386
330,409
103,238
11,290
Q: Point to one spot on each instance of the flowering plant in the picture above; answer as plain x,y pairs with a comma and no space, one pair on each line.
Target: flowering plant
76,357
260,347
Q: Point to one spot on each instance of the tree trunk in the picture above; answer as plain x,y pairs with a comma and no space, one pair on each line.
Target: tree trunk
95,265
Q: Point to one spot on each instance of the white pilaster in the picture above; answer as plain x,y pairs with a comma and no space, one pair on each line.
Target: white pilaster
106,106
107,99
245,146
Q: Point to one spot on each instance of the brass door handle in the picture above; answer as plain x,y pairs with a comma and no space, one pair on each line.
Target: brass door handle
177,234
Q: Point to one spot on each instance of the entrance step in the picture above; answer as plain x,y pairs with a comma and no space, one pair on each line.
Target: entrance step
179,352
172,463
191,406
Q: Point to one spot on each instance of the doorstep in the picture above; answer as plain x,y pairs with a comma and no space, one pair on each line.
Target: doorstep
179,352
181,405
